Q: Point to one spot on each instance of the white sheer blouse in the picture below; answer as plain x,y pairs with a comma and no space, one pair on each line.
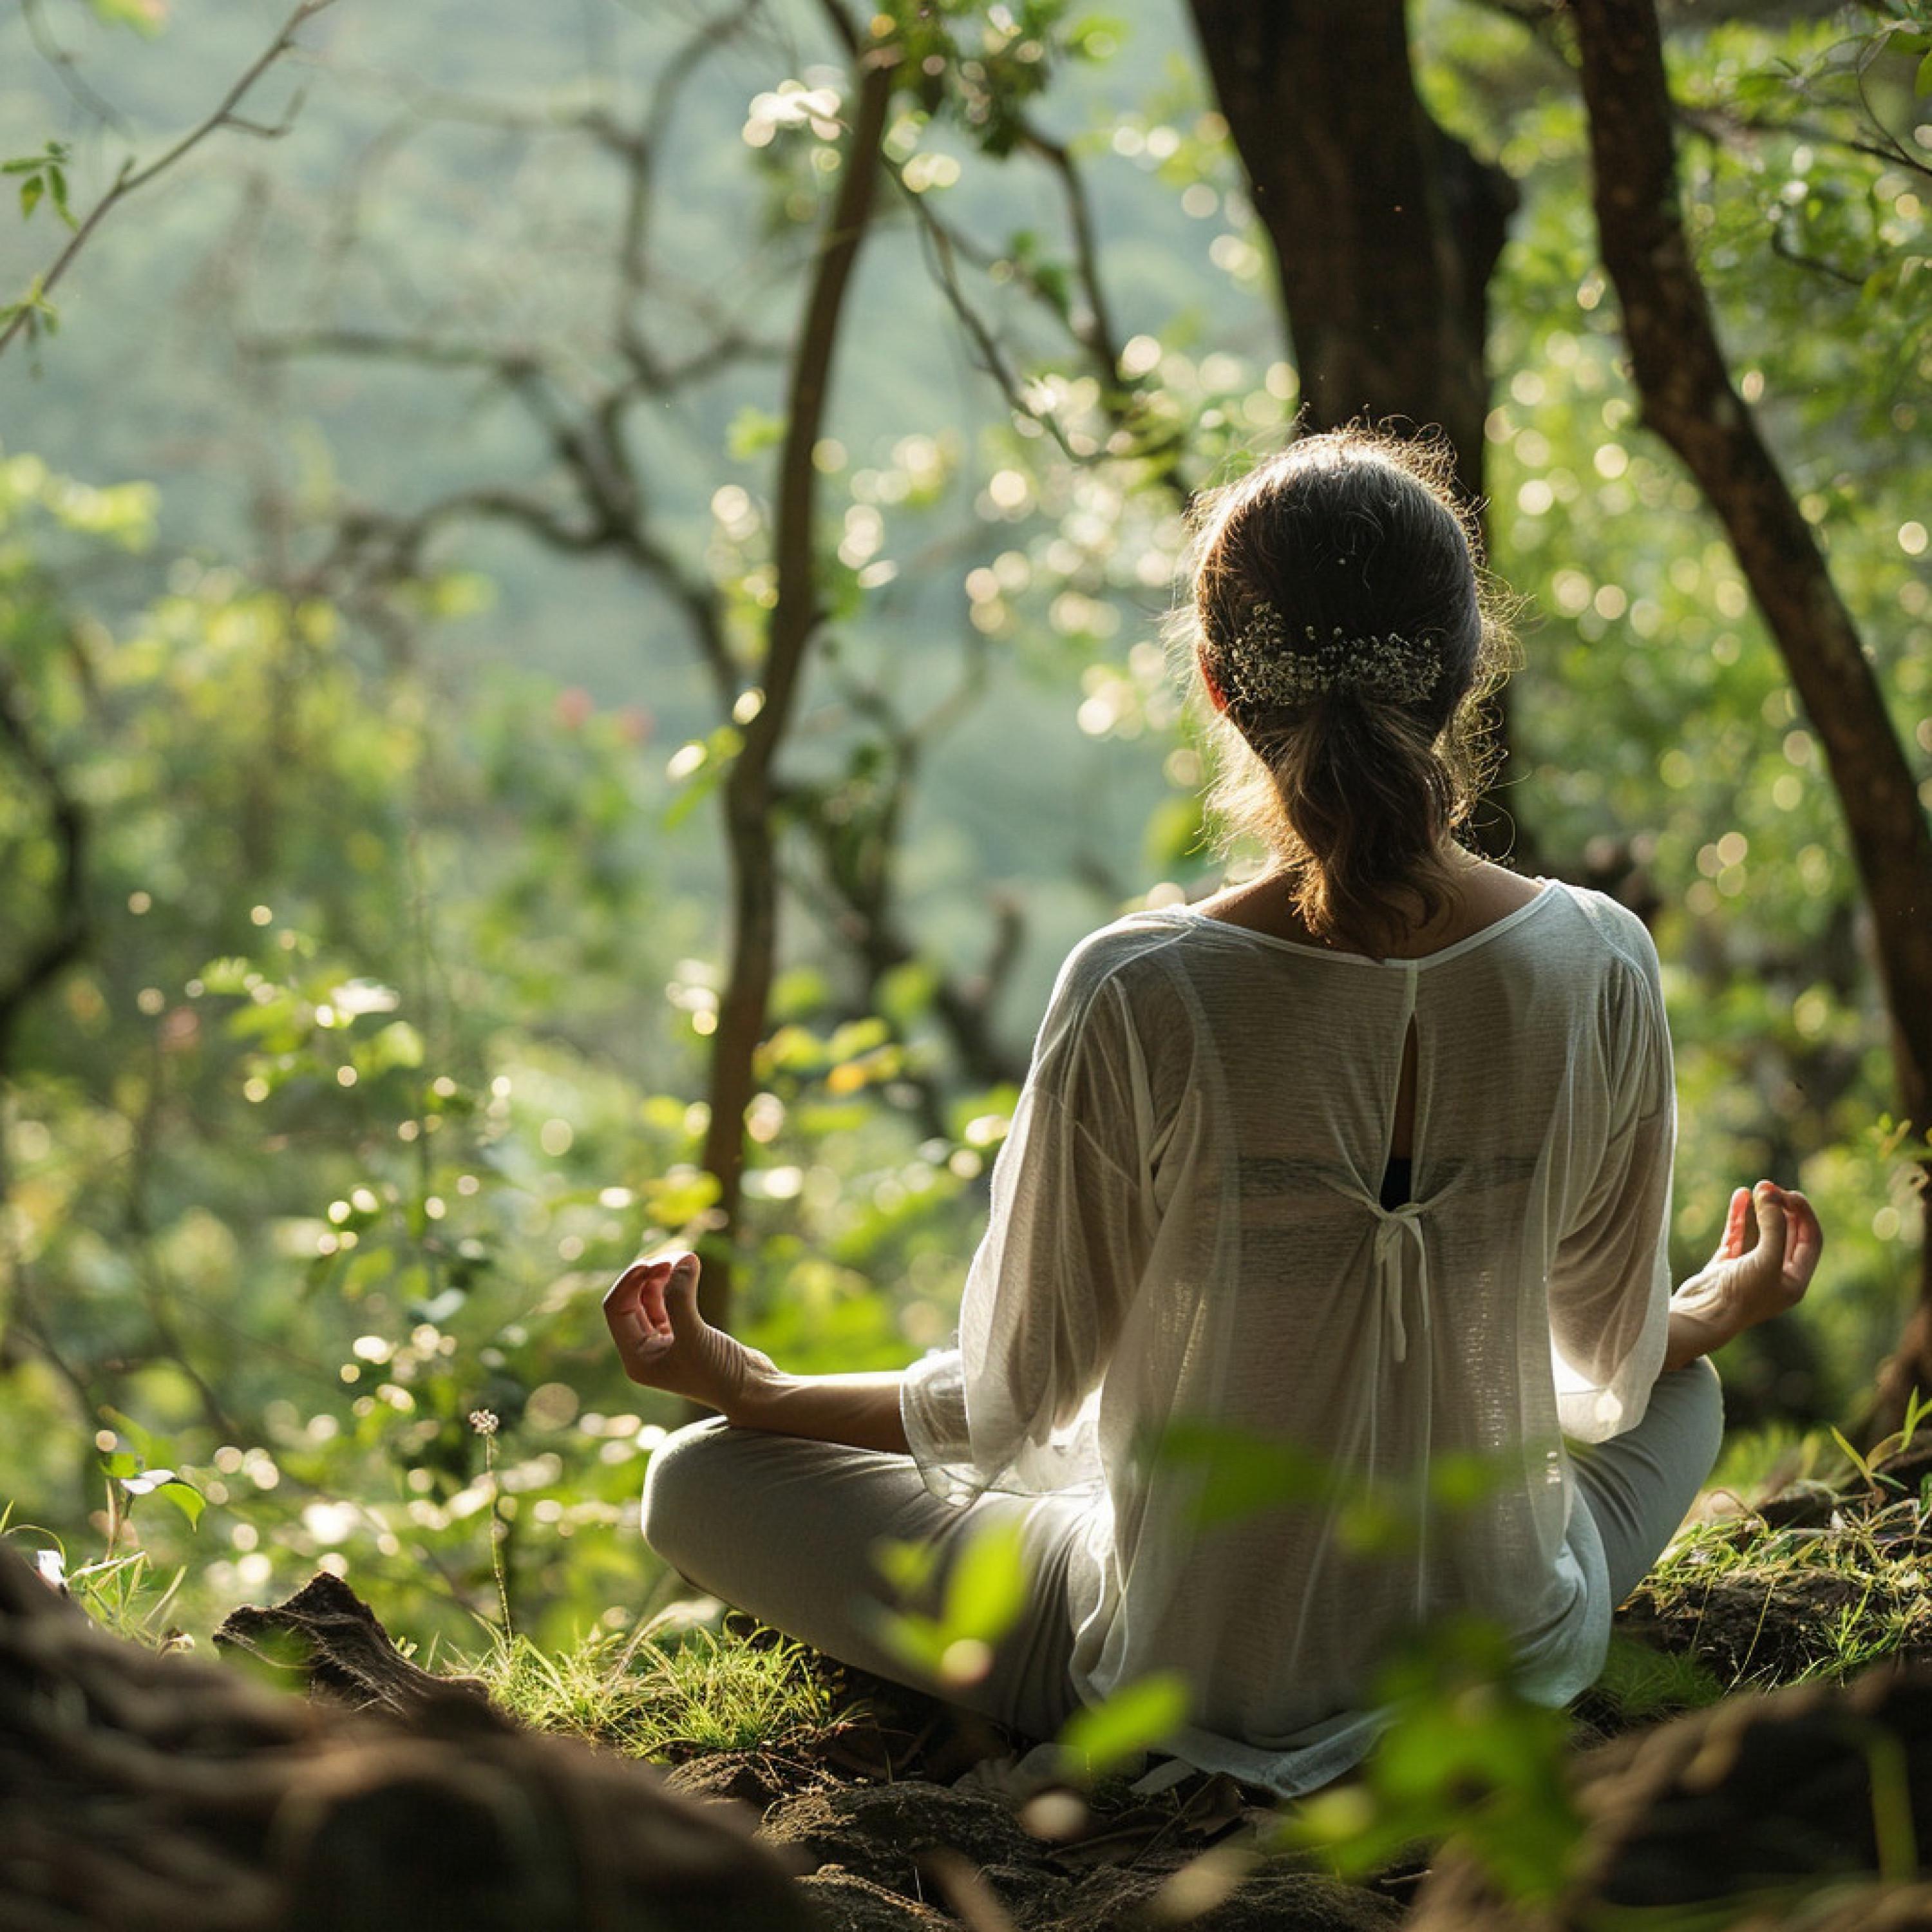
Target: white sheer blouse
1185,1226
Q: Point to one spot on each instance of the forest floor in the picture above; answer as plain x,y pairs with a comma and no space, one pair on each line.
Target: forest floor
898,1813
1672,1783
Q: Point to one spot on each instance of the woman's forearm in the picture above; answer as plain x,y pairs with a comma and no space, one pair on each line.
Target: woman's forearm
861,1410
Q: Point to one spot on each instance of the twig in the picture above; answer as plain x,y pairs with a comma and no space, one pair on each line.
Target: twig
1720,124
131,178
1785,252
940,246
85,96
1098,337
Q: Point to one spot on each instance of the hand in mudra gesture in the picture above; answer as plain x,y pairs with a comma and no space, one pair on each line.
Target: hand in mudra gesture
664,1343
1763,1265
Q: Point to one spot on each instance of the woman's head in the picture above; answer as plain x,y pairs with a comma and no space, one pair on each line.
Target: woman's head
1342,637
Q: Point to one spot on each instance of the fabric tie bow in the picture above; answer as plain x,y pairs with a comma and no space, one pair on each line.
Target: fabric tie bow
1389,1233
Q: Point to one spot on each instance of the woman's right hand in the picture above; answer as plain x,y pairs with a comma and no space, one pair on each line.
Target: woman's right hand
1763,1266
664,1343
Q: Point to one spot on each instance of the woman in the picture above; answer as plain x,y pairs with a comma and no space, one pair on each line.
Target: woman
1371,1154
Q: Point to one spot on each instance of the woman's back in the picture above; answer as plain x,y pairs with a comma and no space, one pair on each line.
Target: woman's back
1225,1101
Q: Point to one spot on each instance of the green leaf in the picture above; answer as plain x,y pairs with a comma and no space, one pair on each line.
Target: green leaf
1135,1718
988,1588
1851,1456
229,975
32,189
752,432
907,1566
397,1044
1096,38
918,1642
1462,1477
125,1425
186,1497
1921,82
1242,1473
122,1464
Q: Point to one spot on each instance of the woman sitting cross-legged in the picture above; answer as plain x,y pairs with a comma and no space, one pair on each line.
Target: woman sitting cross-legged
1371,1155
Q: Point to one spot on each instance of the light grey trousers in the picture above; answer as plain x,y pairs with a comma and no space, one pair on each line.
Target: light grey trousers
784,1528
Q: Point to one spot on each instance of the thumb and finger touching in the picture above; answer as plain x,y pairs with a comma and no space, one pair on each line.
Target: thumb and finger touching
1767,1256
1768,1252
653,1306
1733,1244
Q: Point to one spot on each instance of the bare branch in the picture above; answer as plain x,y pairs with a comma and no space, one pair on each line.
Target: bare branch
941,245
427,351
1720,126
640,152
131,179
843,26
1816,264
1095,338
1098,336
854,849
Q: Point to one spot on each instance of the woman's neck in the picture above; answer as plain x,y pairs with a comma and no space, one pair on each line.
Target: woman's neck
1483,894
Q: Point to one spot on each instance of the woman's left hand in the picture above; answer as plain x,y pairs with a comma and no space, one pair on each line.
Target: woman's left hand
664,1343
1764,1264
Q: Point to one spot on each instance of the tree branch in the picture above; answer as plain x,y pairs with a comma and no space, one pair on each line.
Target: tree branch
853,851
1098,337
131,179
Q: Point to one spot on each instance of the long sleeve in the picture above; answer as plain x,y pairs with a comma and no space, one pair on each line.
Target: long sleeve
1013,1406
1610,1284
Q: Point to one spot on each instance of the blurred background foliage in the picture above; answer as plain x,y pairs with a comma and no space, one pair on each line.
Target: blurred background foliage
386,801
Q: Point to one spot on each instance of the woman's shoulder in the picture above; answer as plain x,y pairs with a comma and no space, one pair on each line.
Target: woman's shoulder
1610,924
1117,950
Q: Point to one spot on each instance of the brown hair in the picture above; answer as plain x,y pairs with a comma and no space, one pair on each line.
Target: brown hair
1340,607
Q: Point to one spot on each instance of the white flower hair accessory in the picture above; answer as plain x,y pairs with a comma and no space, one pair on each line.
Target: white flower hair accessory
1261,670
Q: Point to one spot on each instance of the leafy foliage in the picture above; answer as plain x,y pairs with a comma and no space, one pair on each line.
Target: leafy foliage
43,174
1466,1753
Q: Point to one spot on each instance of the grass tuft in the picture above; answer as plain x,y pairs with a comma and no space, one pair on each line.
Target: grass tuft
1804,1579
698,1692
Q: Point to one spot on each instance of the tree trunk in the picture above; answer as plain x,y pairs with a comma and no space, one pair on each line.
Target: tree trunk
1385,228
1684,385
750,797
